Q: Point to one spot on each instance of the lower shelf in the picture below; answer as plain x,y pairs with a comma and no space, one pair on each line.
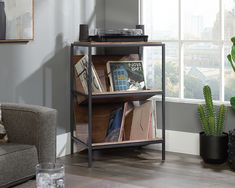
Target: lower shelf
125,143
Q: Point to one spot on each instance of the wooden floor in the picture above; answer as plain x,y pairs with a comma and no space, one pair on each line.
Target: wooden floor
144,168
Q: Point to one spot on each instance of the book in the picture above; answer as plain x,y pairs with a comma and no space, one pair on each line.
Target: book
127,109
114,125
126,75
153,133
141,126
81,77
100,121
102,77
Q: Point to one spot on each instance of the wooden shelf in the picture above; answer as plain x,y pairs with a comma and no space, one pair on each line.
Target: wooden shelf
15,41
128,143
121,96
117,44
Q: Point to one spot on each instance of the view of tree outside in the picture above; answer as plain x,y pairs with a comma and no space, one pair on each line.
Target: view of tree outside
229,76
154,69
197,40
201,67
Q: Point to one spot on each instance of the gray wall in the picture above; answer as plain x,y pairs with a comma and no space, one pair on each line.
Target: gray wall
121,14
91,12
38,72
184,117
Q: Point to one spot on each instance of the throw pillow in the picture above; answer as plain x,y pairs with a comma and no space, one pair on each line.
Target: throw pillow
3,133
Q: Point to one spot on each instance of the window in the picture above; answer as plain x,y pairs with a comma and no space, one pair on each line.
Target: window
197,36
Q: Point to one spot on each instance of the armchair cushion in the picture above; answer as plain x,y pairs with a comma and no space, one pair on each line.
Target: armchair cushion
3,133
17,163
31,132
32,125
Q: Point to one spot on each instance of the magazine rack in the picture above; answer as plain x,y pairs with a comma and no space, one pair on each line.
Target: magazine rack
92,99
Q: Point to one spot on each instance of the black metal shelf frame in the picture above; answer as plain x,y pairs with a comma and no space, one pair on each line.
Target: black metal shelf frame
90,96
117,97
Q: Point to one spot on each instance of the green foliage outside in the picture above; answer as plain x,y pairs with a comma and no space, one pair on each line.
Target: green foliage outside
192,90
172,78
229,81
192,84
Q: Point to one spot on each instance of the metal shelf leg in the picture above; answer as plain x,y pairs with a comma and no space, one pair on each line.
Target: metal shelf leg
163,103
71,98
90,154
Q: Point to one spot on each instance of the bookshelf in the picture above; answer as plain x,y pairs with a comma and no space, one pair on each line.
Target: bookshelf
91,100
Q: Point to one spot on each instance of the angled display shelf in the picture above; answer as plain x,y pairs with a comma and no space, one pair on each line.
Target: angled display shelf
91,100
120,96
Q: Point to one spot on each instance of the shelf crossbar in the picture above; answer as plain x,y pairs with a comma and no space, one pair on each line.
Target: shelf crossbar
130,143
79,141
75,92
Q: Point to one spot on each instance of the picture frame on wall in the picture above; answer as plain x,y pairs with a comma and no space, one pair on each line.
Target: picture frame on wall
16,20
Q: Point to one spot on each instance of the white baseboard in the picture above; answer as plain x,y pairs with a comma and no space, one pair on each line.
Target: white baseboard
176,141
180,142
63,143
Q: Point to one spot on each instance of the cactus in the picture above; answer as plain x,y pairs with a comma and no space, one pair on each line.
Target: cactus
203,119
231,59
211,124
220,120
210,108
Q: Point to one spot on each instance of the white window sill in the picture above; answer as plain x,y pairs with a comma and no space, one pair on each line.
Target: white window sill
190,101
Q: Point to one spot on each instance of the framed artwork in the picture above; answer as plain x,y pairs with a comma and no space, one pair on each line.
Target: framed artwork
16,20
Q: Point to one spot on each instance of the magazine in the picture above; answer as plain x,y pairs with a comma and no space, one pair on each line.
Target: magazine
81,68
126,75
115,121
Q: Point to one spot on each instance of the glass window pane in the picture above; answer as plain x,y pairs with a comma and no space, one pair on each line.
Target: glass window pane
200,20
152,58
229,76
229,19
201,67
161,19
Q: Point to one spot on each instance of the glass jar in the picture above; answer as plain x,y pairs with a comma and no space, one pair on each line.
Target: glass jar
50,175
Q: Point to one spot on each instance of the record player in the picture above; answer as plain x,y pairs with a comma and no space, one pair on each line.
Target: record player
119,35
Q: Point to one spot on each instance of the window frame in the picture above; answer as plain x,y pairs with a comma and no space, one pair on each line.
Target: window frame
221,42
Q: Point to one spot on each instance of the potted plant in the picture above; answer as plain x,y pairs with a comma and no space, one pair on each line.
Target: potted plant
231,59
213,141
231,144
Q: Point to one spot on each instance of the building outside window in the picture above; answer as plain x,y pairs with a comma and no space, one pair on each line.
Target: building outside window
197,36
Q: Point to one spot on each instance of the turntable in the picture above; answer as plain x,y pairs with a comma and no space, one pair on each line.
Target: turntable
119,35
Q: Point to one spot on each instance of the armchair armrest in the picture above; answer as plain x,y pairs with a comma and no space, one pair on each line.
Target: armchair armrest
34,125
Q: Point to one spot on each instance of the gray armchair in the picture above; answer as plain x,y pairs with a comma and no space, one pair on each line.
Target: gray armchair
31,132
